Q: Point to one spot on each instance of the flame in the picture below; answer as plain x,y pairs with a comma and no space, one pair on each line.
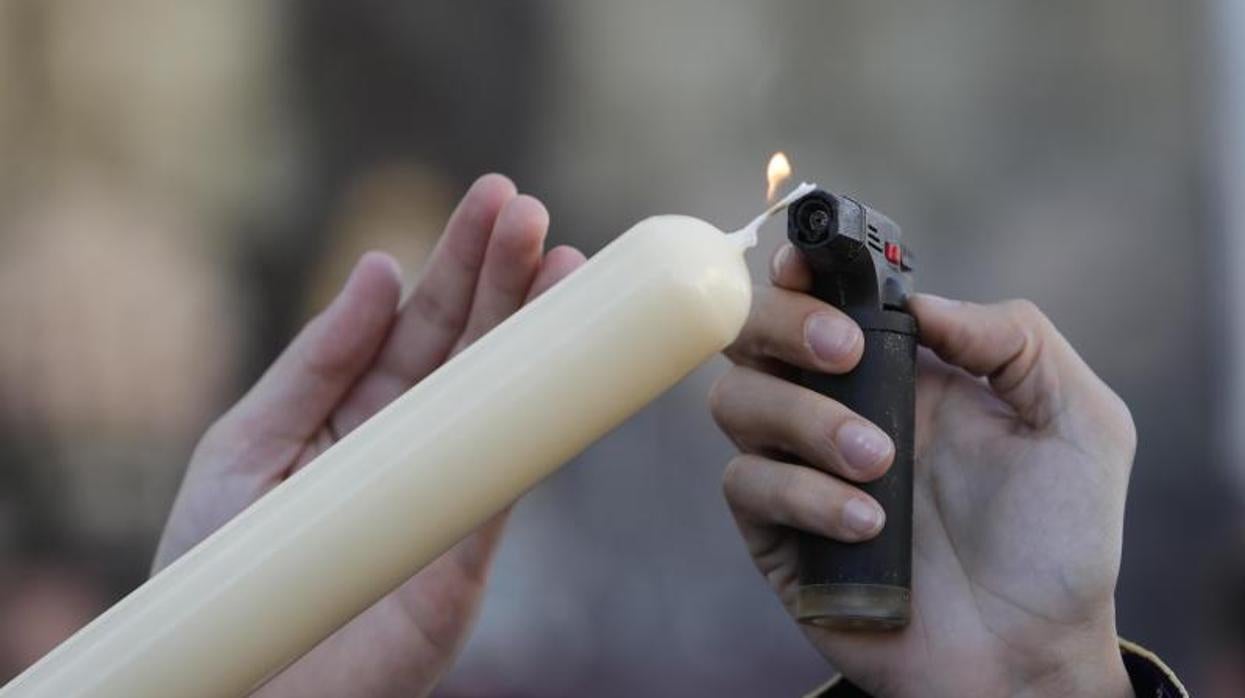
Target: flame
777,172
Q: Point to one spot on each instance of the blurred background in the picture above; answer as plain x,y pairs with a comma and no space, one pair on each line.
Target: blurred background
183,183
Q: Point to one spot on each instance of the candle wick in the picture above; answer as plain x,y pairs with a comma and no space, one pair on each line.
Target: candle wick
747,235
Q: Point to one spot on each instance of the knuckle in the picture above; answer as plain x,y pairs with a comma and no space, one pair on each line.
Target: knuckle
764,342
830,415
744,348
763,331
783,499
718,393
723,404
1122,426
777,262
732,476
1026,313
959,343
811,502
434,311
815,426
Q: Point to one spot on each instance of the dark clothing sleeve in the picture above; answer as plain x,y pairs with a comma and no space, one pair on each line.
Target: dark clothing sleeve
1151,678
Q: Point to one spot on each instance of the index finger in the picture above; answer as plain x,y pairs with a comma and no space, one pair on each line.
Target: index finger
789,270
797,330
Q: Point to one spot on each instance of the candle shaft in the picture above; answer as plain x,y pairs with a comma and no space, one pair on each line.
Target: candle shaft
405,486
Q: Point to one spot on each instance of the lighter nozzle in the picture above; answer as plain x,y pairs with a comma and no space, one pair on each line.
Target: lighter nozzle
814,220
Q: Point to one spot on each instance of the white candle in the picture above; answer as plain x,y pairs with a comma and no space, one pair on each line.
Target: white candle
420,475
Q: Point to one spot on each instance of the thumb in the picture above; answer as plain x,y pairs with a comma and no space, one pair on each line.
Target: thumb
1027,361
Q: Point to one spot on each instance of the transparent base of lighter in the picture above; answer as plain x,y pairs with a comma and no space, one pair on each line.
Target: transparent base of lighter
854,606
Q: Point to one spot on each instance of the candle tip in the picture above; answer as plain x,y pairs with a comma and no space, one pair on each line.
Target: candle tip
747,235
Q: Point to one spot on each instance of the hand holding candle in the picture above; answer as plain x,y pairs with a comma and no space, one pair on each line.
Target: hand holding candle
356,357
392,495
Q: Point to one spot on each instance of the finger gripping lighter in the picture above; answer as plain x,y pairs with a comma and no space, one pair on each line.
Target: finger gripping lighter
860,267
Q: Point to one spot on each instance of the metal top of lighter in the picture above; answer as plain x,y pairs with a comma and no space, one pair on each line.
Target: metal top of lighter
857,244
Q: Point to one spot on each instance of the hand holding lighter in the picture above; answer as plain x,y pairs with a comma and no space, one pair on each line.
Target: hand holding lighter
860,267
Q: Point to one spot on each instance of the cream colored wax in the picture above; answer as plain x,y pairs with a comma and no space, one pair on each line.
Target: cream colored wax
420,475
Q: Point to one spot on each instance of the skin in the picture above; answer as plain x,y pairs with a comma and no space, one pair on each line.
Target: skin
1022,463
365,349
1020,476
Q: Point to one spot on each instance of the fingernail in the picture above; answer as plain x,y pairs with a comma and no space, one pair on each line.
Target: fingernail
779,261
862,445
831,337
862,517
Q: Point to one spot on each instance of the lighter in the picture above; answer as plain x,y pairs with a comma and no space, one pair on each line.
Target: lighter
860,267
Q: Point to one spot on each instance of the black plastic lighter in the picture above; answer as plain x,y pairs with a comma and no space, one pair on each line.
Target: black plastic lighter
860,267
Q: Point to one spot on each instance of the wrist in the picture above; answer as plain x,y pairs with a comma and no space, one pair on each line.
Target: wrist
1079,669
